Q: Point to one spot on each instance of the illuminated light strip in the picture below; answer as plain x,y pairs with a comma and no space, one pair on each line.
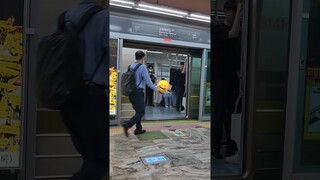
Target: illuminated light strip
203,20
159,12
170,122
119,5
125,2
155,52
163,9
200,16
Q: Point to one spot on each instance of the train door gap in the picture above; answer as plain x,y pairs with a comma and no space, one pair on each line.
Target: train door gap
165,60
164,65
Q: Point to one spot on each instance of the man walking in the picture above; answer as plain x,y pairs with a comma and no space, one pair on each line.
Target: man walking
87,120
137,99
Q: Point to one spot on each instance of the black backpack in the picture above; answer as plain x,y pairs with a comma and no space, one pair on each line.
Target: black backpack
128,81
59,65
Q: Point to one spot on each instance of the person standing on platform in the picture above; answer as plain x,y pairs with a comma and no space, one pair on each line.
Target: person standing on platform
226,64
137,99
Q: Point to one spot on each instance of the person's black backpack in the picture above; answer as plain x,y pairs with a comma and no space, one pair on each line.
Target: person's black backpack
59,64
128,81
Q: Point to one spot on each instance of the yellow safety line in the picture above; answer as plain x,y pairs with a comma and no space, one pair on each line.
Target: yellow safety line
115,130
206,125
119,129
169,122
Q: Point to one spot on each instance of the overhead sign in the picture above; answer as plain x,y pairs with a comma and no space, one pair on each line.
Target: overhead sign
158,30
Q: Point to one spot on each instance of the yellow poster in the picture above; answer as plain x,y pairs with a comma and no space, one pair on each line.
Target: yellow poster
113,90
11,38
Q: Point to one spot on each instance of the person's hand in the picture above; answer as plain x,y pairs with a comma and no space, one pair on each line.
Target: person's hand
156,88
240,6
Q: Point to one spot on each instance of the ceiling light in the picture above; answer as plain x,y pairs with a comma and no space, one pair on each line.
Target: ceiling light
120,5
122,1
196,19
155,52
200,16
163,9
159,12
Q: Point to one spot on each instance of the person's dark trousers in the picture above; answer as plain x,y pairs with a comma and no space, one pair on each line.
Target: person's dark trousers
224,99
149,96
137,101
179,92
88,124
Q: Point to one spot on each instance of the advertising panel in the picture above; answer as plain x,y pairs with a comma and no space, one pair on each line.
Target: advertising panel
113,78
11,38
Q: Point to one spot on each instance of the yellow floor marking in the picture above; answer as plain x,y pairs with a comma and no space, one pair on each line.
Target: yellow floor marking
170,122
119,129
206,125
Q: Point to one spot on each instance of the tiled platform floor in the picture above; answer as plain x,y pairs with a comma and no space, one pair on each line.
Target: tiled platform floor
189,155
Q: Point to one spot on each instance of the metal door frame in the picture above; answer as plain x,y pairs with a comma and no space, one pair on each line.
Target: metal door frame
157,47
187,64
155,41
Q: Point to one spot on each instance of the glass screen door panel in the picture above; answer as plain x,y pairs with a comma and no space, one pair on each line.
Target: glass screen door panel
205,87
303,113
195,76
308,114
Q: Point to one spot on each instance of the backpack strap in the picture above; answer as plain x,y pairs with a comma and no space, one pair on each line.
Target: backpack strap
61,20
84,19
137,66
97,67
135,69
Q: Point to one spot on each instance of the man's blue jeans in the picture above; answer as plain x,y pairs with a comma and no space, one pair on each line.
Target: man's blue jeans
87,122
137,101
